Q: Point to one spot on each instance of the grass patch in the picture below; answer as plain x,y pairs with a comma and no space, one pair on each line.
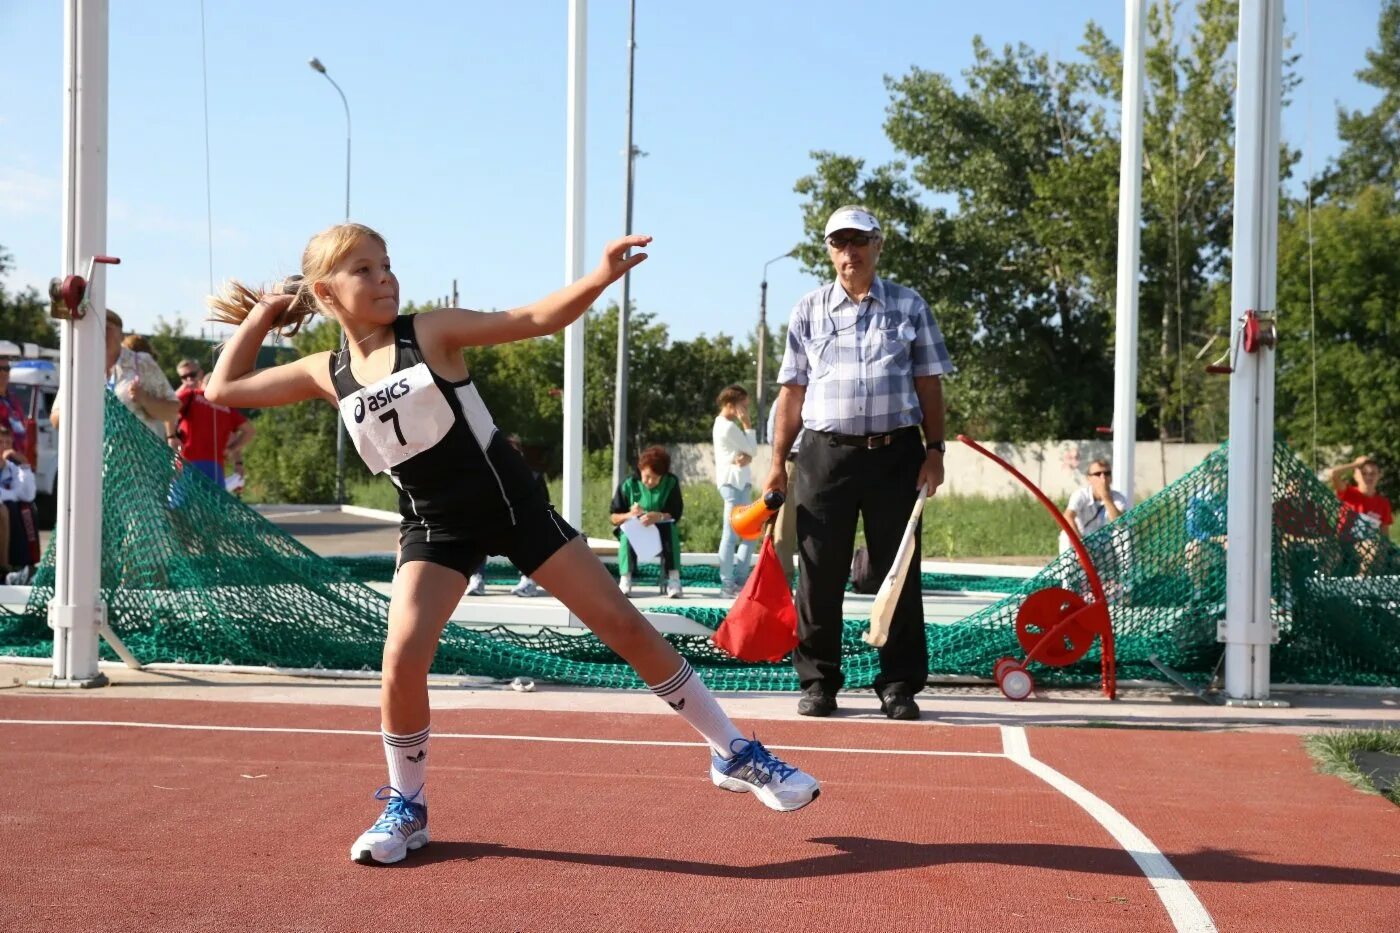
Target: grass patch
954,526
1332,751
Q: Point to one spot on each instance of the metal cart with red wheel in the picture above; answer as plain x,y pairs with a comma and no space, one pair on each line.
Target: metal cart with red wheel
1055,626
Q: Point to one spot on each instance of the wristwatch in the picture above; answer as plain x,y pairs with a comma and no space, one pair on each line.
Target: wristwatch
937,445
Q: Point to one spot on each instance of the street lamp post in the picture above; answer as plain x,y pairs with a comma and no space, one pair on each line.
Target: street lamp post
620,439
316,65
760,416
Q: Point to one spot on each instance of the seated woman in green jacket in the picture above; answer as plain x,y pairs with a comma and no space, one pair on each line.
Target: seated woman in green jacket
652,495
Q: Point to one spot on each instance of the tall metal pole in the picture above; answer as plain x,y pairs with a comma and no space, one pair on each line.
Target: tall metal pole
573,261
1248,627
1125,350
760,415
621,443
77,612
316,65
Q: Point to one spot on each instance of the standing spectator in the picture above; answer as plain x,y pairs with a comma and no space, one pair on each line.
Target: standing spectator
138,382
209,434
11,413
735,445
860,375
1366,509
19,536
653,496
785,529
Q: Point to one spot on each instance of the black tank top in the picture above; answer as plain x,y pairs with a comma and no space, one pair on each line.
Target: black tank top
454,470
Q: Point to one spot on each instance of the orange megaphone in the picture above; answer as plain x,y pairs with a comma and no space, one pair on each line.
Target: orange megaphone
748,521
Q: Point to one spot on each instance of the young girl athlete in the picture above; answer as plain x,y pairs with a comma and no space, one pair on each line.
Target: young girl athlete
413,411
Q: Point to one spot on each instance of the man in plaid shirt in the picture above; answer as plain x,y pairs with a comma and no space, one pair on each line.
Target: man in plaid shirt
861,375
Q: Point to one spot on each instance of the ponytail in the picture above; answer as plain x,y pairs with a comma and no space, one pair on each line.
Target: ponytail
236,302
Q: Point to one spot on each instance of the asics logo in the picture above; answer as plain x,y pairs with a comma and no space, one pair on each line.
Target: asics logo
422,753
677,706
380,399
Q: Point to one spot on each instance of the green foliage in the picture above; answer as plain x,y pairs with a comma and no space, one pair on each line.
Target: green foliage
1333,752
954,526
172,344
1356,284
292,458
1371,153
24,317
1021,273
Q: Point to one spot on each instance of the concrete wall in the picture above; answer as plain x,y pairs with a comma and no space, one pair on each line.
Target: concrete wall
1057,467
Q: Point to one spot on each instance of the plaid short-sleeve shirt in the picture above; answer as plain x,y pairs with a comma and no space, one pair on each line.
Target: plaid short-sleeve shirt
858,361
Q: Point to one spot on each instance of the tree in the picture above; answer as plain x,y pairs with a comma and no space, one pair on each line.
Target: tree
1355,298
1004,217
292,458
24,317
1371,141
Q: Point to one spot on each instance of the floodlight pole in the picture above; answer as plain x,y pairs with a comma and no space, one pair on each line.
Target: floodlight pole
760,415
620,439
316,66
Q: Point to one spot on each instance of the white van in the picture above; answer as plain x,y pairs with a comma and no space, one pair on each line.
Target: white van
33,384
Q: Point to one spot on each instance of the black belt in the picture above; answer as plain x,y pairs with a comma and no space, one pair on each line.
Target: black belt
866,441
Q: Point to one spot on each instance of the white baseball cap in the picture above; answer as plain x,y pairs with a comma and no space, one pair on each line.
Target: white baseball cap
852,218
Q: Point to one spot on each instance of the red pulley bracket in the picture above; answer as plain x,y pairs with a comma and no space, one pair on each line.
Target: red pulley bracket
68,296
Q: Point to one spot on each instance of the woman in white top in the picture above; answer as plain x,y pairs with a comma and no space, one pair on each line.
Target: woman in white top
735,445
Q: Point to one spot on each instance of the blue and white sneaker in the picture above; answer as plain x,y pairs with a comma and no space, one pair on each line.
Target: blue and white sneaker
402,826
753,768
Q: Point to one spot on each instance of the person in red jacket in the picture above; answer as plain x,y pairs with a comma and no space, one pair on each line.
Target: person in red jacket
209,434
1363,505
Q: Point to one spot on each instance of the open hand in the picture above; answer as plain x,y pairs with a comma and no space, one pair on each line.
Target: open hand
616,263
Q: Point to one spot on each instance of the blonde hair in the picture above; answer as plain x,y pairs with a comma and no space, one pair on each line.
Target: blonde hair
323,251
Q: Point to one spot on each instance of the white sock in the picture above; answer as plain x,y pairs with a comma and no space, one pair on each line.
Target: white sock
689,696
408,763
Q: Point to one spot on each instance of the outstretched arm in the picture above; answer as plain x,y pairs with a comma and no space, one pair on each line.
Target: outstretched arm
458,327
236,384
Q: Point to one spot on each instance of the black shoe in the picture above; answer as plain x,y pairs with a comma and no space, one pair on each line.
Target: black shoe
816,702
896,703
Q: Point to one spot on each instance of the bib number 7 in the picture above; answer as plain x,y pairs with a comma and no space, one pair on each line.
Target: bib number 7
392,417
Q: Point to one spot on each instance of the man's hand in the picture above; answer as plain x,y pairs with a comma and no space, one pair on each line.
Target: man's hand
777,480
743,459
1099,484
931,473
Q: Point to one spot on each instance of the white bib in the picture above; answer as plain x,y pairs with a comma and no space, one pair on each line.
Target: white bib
396,418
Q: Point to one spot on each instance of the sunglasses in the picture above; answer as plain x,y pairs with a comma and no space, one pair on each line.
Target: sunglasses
841,241
1102,473
185,377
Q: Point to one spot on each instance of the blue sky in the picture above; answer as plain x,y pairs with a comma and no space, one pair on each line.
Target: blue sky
458,134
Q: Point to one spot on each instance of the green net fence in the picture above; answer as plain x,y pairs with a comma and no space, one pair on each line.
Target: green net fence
191,574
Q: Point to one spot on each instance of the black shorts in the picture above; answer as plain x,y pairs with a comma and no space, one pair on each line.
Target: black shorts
533,539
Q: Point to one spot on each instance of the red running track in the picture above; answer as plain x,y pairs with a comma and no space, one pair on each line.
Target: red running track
123,827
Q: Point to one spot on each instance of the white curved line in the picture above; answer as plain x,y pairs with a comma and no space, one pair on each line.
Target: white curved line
1186,911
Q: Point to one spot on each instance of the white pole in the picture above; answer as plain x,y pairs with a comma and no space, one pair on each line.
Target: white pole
76,612
1125,352
1248,628
573,263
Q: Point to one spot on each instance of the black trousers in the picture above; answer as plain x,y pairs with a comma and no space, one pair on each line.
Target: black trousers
839,484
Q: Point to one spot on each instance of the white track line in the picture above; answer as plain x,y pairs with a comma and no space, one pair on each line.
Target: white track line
568,740
1187,912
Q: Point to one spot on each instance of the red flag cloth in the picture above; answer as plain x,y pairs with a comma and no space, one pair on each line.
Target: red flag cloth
762,623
